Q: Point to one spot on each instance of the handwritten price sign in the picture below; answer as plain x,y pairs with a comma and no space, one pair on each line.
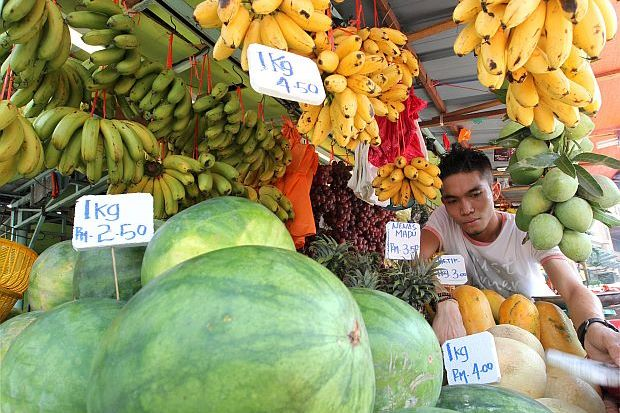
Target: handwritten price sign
471,359
284,75
113,220
402,240
452,270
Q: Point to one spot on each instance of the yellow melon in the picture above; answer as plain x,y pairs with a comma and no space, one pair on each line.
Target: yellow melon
574,391
560,406
519,334
522,369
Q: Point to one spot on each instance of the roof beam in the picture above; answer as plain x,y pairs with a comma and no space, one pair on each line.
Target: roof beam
431,30
476,108
451,119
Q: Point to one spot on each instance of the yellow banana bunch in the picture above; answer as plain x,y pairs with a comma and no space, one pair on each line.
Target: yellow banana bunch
282,24
401,182
545,54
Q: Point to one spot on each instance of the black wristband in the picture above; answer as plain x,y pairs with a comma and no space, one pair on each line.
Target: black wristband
583,328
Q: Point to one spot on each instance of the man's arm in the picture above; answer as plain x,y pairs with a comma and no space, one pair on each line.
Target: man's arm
448,323
602,343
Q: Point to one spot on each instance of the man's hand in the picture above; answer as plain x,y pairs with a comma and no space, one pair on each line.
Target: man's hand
448,323
603,344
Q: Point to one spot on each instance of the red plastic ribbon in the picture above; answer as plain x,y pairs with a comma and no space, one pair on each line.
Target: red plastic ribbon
376,13
331,154
104,103
202,73
261,109
359,14
7,80
191,75
55,188
92,110
169,58
446,141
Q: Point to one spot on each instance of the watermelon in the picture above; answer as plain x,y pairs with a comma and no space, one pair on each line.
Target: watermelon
51,277
210,225
406,352
480,398
94,275
240,330
47,366
424,410
10,329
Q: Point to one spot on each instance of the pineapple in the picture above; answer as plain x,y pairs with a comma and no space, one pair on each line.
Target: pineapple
414,281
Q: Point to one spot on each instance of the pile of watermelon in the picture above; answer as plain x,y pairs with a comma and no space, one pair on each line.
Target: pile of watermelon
218,313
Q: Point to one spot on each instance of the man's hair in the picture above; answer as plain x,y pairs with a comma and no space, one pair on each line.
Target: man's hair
465,160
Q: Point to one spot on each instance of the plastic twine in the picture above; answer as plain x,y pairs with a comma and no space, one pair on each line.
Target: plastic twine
169,58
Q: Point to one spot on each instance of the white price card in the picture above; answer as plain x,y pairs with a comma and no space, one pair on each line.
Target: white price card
285,75
113,221
452,270
471,359
402,240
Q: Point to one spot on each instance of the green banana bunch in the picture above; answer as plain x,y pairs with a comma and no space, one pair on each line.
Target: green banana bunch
274,200
110,27
21,151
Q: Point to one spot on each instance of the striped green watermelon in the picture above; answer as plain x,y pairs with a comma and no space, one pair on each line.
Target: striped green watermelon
10,329
94,274
237,330
210,225
480,398
424,410
51,277
46,368
406,352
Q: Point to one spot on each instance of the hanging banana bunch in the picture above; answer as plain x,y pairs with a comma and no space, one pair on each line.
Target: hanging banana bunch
400,181
282,24
77,141
110,27
21,151
366,74
542,49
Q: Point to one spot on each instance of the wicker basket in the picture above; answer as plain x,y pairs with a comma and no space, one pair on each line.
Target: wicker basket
15,263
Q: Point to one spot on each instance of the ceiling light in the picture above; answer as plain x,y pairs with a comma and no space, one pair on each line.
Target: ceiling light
76,40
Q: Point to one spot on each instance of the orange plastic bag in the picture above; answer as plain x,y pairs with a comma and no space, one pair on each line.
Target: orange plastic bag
296,183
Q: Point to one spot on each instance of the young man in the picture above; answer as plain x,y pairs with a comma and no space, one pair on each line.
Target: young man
495,257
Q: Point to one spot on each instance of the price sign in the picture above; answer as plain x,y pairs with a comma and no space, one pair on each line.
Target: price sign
113,220
471,359
402,240
284,75
452,270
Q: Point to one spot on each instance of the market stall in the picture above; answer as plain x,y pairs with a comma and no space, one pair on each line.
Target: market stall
218,205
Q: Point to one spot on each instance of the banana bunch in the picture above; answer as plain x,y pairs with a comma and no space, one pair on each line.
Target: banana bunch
399,180
110,27
66,86
78,141
273,199
543,49
158,95
21,151
282,24
172,182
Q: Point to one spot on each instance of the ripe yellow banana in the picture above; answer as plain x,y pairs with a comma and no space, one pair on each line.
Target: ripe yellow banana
370,46
308,119
525,93
327,61
322,127
398,93
590,32
574,10
221,51
559,32
373,63
516,112
388,48
393,74
206,16
321,42
493,53
577,95
234,31
347,103
488,22
252,35
518,11
487,79
555,83
226,10
593,108
609,16
350,44
524,37
379,107
270,33
466,11
544,119
335,83
363,84
575,61
518,76
265,6
316,22
296,38
584,77
467,40
538,62
567,114
351,63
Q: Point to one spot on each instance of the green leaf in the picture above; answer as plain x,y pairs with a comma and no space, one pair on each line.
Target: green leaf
597,159
606,218
565,165
513,140
543,160
587,182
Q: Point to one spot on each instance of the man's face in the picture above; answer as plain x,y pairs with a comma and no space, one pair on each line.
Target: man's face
468,198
